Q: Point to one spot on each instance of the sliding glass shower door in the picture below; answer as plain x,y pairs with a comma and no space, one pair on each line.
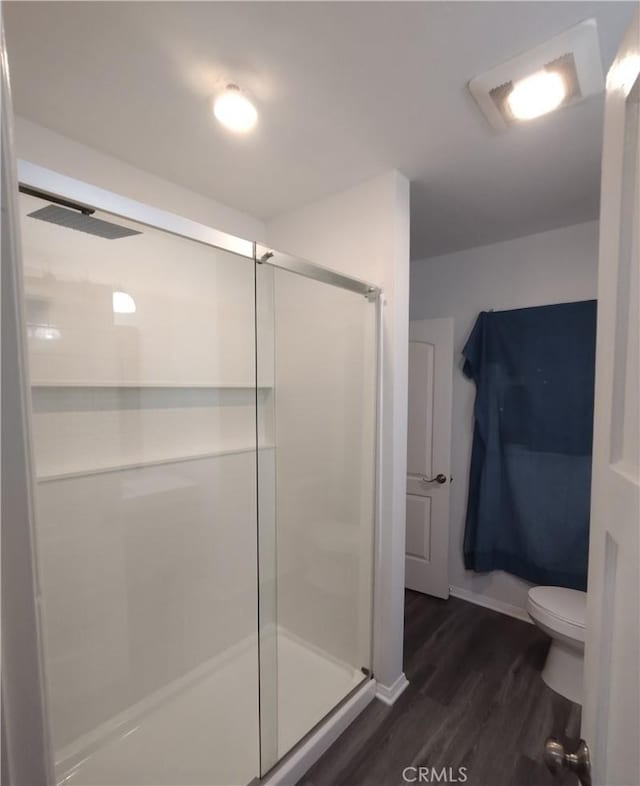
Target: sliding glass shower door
142,362
317,354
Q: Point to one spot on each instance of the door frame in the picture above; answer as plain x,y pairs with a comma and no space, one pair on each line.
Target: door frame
609,672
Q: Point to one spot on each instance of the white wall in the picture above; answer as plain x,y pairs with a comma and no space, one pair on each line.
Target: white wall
364,232
551,267
41,146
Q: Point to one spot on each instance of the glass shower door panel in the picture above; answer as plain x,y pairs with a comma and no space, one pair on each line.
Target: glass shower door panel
142,364
316,500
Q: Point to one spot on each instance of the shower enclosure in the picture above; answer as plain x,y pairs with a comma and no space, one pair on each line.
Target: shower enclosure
204,439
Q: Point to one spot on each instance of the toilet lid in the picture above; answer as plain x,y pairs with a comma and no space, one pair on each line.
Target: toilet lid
568,605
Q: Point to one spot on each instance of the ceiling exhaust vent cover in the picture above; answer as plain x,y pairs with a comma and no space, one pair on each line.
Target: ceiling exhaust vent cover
574,55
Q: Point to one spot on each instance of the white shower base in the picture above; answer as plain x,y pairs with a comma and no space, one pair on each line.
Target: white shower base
204,729
310,684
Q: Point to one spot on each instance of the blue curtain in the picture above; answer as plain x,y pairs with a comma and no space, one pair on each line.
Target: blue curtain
530,477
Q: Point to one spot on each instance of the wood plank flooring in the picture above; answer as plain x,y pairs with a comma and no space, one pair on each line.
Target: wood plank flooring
475,699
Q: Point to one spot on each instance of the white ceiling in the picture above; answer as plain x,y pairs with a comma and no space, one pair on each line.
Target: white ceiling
345,90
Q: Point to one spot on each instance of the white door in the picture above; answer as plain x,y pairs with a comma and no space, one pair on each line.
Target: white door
429,456
611,713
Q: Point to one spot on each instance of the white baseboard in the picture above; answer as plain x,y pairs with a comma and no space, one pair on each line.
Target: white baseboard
389,694
291,770
491,603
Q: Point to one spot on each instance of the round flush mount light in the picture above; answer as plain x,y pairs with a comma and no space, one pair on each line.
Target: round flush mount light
536,95
235,111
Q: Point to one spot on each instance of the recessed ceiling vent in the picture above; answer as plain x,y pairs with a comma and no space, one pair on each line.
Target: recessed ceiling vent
561,72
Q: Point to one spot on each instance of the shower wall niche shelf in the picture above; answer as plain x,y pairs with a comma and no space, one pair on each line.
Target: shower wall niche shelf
88,384
159,462
80,429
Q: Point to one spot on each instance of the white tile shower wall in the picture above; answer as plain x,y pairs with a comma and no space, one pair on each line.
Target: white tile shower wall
325,463
146,574
87,429
551,267
191,301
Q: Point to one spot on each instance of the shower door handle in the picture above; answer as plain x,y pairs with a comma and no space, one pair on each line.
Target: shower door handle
440,478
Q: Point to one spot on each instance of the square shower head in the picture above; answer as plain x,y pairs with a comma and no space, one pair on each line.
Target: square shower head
74,219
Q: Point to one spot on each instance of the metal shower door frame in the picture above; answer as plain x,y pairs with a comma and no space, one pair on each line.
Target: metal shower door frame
48,183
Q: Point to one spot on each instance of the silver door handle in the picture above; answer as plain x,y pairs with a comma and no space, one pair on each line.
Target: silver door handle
578,762
440,478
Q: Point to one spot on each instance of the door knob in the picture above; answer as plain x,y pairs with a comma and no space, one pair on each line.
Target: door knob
578,762
438,479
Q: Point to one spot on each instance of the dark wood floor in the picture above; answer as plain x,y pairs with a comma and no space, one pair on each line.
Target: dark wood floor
475,699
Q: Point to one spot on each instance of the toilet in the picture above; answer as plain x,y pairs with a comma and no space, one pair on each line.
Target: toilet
561,614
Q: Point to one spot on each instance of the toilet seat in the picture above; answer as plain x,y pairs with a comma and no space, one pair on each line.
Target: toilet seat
560,609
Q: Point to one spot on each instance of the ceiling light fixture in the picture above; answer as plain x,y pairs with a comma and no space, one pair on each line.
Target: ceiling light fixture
561,72
536,95
235,111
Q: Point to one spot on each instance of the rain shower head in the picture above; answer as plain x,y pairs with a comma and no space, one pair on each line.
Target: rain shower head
82,221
